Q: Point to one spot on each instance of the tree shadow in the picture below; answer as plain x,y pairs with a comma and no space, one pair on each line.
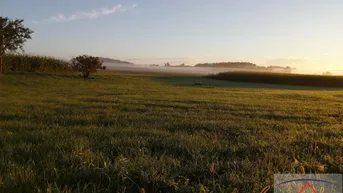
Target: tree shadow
46,74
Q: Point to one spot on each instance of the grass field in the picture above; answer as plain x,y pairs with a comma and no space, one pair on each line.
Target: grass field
124,132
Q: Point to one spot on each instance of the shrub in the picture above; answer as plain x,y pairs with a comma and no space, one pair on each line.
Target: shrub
327,73
86,64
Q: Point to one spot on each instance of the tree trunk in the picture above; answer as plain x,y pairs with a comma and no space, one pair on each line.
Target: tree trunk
1,55
2,52
85,75
1,66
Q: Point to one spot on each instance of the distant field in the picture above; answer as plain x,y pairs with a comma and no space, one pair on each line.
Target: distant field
284,79
189,70
121,132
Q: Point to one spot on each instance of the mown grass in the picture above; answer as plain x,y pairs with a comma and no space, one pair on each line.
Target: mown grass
283,79
124,132
35,63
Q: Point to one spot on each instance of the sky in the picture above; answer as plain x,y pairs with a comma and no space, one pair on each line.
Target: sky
305,34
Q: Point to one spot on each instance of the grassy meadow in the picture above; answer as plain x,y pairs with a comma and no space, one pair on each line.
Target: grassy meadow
124,132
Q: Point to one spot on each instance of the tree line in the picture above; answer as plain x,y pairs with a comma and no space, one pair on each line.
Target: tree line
244,65
13,35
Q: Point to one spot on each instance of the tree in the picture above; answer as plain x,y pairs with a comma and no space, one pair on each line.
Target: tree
327,73
166,64
13,35
288,69
86,64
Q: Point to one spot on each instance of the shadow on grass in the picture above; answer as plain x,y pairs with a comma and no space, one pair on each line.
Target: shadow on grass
46,74
204,82
60,75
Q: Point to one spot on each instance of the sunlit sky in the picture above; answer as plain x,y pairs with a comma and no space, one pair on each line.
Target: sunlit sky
305,34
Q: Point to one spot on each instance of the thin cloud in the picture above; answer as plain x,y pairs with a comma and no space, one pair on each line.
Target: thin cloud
114,9
95,13
84,15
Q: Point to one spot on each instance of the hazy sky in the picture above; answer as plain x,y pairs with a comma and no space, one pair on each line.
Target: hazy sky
306,34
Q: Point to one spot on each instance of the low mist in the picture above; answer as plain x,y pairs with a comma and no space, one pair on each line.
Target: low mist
172,69
191,70
187,70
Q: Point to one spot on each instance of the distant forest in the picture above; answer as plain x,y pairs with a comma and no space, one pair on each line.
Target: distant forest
245,65
110,60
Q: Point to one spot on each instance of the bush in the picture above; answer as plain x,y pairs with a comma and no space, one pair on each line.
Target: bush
327,73
32,63
87,64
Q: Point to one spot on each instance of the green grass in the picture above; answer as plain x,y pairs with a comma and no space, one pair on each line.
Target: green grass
123,132
281,79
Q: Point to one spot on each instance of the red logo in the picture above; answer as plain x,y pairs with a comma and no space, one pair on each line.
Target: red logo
307,185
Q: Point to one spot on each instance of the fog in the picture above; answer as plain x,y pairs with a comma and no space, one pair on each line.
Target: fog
172,69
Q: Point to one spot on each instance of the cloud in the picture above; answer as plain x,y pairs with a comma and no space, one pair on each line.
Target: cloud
95,13
114,9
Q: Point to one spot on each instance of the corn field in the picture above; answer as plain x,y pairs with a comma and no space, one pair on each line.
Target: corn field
282,79
34,63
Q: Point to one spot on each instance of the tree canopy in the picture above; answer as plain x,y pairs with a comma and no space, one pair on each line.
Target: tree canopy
13,35
86,64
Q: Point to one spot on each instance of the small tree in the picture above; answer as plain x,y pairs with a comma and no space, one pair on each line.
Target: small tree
166,64
87,64
13,35
327,73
